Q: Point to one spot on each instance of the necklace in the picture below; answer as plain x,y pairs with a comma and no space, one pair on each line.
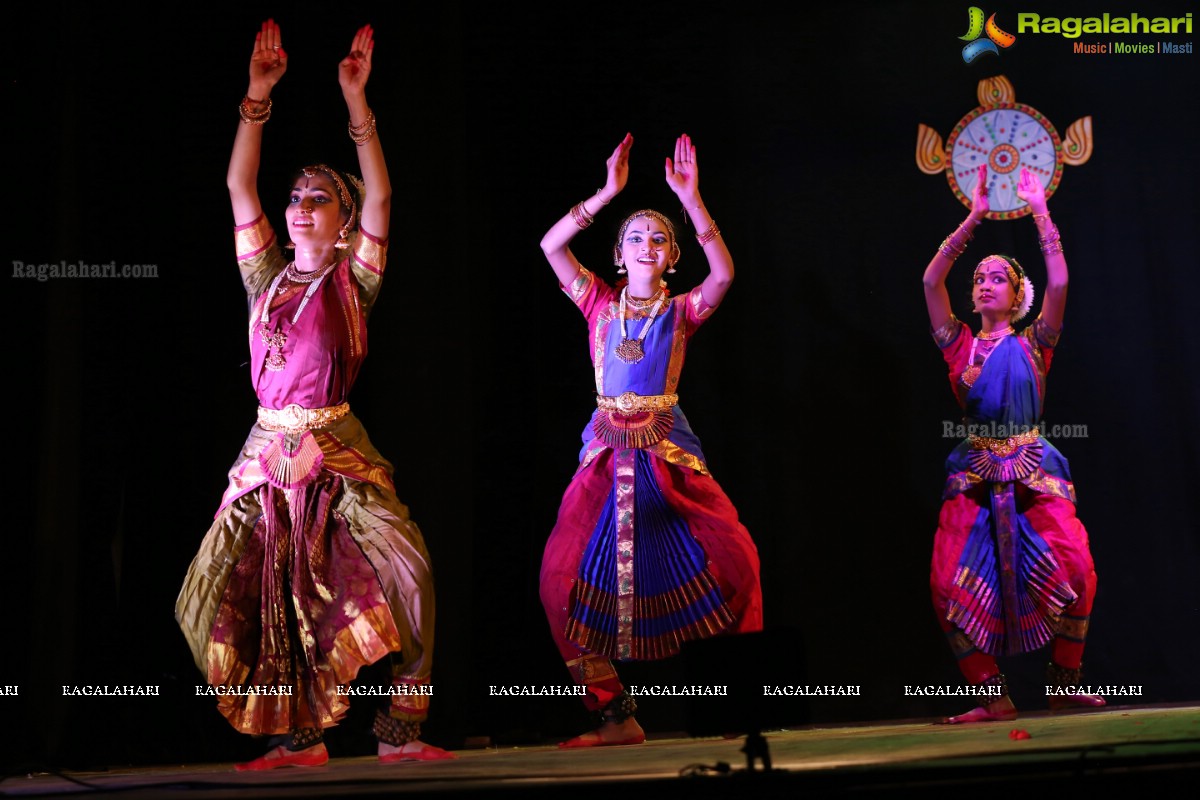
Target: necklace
640,304
293,274
274,341
971,373
630,350
987,337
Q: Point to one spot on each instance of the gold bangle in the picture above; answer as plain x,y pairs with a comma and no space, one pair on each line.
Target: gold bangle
361,134
254,117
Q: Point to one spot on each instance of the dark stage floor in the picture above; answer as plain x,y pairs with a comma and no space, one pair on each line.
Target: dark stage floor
1130,748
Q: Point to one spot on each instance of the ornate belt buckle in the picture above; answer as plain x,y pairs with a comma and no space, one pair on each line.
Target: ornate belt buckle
627,402
293,417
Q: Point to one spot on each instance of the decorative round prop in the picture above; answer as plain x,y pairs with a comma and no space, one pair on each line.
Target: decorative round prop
1006,136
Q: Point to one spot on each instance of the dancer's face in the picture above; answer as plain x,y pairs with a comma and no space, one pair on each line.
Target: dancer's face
646,248
313,213
992,291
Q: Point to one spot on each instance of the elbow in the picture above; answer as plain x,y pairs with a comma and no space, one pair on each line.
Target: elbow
237,184
379,195
385,204
723,282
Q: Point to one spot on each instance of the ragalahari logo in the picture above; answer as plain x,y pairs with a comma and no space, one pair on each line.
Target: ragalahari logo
976,27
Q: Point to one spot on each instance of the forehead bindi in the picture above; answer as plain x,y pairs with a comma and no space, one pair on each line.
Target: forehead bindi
316,183
991,267
647,227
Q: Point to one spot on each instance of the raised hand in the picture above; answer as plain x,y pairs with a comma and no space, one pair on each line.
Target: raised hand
683,173
268,62
979,195
618,169
356,67
1031,190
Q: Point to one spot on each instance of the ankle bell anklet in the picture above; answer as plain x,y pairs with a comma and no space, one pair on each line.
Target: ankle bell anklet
396,732
619,709
1061,677
995,681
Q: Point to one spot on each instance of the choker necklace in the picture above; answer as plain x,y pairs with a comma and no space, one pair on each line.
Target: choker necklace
630,350
987,337
274,341
639,304
293,274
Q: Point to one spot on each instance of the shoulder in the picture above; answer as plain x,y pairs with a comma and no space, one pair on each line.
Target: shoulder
950,332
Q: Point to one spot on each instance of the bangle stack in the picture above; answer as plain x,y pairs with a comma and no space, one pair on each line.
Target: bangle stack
955,244
1049,239
252,117
581,216
361,134
712,232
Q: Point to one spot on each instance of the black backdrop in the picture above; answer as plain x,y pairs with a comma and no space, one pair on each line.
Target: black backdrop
815,389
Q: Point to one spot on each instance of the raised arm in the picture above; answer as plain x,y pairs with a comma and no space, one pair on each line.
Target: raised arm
1054,300
353,72
683,176
937,299
268,62
556,242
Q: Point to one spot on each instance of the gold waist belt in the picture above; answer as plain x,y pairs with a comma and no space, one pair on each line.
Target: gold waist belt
297,419
1003,447
630,402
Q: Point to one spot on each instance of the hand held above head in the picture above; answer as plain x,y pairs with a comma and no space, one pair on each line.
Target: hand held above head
268,61
683,173
355,68
1031,190
617,167
979,196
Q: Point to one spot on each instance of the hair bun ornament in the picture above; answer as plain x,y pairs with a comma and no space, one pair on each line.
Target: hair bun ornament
1026,299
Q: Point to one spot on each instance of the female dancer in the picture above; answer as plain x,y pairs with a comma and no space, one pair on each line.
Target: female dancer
312,568
1011,568
647,551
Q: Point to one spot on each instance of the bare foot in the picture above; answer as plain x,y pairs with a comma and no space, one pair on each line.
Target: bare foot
609,734
277,757
1066,702
415,750
997,710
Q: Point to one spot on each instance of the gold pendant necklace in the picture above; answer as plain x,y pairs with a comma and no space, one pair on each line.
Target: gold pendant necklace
630,350
275,340
971,373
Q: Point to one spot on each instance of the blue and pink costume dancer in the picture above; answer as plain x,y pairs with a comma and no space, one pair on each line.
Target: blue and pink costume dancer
1011,568
647,552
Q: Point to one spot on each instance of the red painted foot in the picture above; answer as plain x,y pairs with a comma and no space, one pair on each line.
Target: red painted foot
314,756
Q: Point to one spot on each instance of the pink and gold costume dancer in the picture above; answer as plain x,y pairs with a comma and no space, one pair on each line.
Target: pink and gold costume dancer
648,551
312,568
1011,570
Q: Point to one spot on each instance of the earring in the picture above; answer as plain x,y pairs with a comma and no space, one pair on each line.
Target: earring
342,242
621,266
671,270
290,246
